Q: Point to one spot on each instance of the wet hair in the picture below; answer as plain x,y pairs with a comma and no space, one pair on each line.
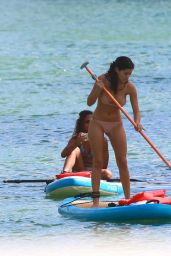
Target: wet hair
121,63
79,126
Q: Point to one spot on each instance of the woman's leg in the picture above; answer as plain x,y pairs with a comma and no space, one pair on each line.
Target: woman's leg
74,162
117,137
96,138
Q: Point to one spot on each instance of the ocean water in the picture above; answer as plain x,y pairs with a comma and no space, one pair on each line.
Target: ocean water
42,46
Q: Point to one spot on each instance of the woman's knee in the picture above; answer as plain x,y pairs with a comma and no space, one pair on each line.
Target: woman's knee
76,152
106,174
121,161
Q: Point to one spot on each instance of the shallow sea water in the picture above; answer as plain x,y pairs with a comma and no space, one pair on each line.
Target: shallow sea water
42,46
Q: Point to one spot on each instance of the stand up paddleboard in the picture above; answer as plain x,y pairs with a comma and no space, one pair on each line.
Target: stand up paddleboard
74,185
134,211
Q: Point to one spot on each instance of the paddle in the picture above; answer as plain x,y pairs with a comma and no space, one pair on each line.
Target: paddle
84,65
118,180
51,180
29,181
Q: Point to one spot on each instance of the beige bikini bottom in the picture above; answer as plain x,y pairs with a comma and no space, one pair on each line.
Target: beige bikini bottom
107,126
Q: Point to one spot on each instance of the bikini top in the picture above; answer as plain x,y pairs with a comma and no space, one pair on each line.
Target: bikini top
85,153
107,101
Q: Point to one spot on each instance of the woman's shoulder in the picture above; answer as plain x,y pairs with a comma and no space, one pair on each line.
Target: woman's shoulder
104,79
73,138
101,77
131,87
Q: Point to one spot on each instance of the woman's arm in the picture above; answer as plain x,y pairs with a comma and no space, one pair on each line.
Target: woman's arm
135,106
92,97
95,92
72,144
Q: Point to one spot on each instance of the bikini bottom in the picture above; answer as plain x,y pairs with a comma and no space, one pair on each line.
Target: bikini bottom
107,126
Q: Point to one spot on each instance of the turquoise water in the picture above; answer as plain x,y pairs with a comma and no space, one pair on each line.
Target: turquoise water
42,46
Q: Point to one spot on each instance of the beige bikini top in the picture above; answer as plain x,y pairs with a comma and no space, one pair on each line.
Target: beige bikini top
105,99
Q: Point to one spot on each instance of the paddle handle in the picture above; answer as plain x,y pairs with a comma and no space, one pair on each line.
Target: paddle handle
126,114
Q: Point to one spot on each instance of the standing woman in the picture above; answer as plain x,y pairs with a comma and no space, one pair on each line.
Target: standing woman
107,120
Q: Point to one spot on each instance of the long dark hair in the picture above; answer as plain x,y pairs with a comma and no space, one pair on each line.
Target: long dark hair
121,63
79,126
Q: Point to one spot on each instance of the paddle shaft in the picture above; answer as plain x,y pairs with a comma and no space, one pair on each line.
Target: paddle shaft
129,118
51,180
28,181
118,180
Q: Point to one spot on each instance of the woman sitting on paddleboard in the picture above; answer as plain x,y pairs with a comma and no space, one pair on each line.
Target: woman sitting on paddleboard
107,120
78,152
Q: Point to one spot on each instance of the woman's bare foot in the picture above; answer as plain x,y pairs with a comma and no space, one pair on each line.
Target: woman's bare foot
95,203
95,196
